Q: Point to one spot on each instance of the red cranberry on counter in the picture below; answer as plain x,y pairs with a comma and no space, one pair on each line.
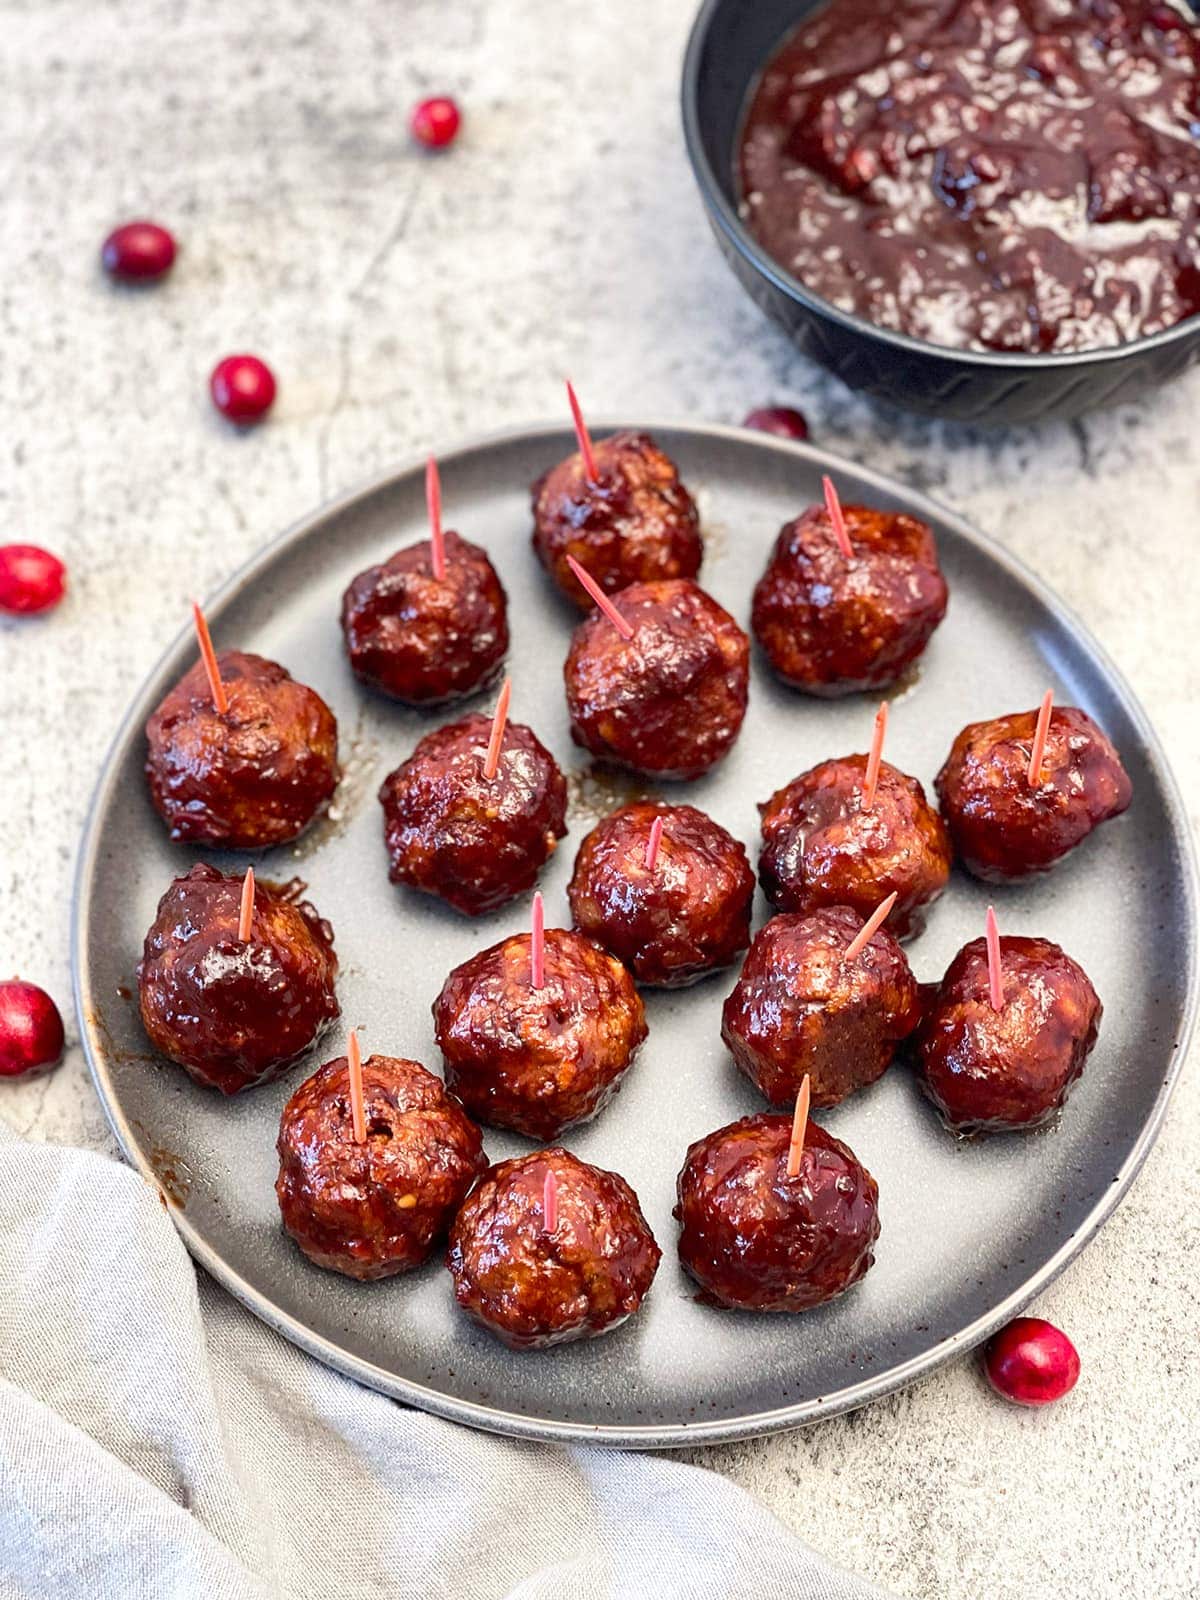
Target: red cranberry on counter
31,580
1031,1362
138,252
435,122
783,421
243,388
31,1030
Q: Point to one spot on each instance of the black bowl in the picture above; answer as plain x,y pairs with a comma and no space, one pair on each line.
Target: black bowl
730,43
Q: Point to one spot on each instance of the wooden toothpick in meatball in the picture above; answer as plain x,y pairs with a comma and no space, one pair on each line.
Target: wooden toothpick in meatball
538,1047
657,680
240,754
666,889
816,999
473,817
1010,816
231,998
549,1249
430,624
837,616
1003,1042
618,508
375,1205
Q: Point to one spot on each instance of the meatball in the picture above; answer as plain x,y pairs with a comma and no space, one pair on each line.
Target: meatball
234,1014
821,848
421,639
991,1071
532,1286
755,1239
801,1008
670,924
371,1210
636,522
247,778
831,626
473,841
538,1060
670,700
1005,827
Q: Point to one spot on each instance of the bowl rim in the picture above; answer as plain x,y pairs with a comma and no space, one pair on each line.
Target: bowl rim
726,217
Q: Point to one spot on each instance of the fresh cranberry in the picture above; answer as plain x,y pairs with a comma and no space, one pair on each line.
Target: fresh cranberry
136,252
780,420
1031,1362
1166,19
435,122
243,388
31,579
31,1030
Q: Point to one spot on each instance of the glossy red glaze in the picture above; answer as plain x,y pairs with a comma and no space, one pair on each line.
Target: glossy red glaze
801,1008
243,388
1003,826
421,639
991,1071
234,1013
757,1240
532,1287
31,1030
435,122
374,1209
473,841
783,421
687,916
542,1059
31,580
670,701
138,252
636,522
252,777
1031,1362
821,848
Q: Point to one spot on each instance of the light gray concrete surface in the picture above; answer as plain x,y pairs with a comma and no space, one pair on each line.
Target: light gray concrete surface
406,302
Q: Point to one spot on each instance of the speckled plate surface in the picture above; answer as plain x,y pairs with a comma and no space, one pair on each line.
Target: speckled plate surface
970,1231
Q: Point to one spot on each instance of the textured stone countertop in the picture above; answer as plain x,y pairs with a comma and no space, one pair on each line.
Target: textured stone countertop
406,302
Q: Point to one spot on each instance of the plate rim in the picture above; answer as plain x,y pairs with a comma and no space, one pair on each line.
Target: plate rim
647,1436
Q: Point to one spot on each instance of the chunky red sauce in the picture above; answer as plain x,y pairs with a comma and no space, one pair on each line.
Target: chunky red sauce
984,174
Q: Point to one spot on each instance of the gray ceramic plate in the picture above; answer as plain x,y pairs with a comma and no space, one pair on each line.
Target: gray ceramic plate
970,1232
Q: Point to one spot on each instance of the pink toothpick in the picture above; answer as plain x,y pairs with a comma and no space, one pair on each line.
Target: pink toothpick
433,500
246,914
1040,735
870,927
209,657
655,841
550,1201
601,599
871,781
357,1109
537,943
491,763
799,1128
995,971
584,437
837,518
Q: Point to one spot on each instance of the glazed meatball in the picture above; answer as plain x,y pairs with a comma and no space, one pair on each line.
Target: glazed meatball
538,1060
532,1286
371,1210
831,626
248,778
1005,827
674,922
801,1008
991,1071
670,700
755,1239
821,848
635,523
473,841
234,1014
421,639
